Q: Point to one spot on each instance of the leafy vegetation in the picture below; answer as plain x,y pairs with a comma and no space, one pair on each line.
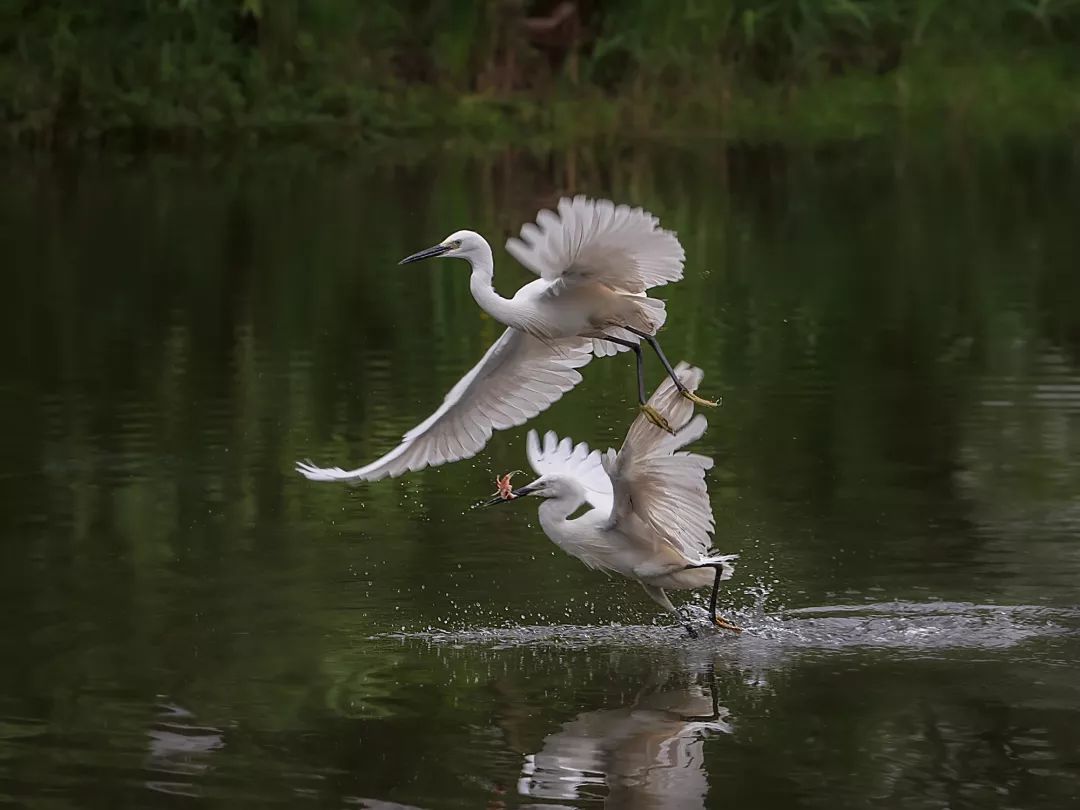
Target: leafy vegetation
338,70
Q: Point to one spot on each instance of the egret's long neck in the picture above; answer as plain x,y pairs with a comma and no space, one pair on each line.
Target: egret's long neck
567,534
483,270
555,511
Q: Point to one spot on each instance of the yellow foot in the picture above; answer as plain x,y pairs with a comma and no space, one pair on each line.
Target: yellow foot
690,395
726,624
656,418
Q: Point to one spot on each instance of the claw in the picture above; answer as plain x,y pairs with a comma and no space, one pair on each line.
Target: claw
726,624
657,418
690,395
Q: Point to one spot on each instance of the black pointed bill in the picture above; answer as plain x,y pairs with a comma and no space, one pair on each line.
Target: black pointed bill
520,492
429,253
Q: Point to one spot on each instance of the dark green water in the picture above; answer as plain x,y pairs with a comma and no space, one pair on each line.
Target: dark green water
184,621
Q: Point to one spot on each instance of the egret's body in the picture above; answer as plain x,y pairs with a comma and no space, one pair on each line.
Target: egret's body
651,519
595,261
549,310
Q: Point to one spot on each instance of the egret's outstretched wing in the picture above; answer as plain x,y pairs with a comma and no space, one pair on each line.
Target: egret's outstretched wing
555,457
597,241
517,378
664,488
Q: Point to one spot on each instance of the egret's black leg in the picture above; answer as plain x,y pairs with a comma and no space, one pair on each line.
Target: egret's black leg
657,595
686,392
715,702
650,412
712,694
715,591
719,621
687,623
659,353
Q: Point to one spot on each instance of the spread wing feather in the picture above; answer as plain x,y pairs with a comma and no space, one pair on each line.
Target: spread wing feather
597,241
516,379
555,457
655,482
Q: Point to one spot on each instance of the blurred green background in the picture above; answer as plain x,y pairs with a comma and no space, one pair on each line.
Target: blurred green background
476,71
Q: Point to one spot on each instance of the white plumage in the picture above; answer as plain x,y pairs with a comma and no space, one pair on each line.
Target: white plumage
598,241
595,260
555,457
516,379
651,519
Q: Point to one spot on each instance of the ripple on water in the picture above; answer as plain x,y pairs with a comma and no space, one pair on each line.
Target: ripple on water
906,626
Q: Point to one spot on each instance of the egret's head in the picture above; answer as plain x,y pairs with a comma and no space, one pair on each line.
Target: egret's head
467,245
546,486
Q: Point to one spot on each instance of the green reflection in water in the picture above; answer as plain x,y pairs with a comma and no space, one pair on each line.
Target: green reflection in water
895,338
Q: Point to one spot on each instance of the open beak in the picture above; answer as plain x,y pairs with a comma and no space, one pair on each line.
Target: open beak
429,253
520,492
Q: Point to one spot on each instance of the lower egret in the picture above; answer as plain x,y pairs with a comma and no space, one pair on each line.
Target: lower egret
595,260
651,519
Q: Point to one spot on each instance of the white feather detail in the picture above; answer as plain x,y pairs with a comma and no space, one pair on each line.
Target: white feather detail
563,457
597,241
516,379
660,486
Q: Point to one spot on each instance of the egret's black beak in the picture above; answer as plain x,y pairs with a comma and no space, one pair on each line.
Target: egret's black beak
520,492
429,253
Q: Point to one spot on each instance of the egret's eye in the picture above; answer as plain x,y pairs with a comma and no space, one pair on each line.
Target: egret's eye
455,244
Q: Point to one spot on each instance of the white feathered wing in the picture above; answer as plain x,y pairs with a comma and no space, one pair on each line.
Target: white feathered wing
650,479
596,241
516,379
563,457
661,485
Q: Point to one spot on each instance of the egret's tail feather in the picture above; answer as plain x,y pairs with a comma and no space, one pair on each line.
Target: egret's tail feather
605,348
652,314
725,561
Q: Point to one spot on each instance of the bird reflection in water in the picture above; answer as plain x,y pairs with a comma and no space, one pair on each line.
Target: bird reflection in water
646,755
180,751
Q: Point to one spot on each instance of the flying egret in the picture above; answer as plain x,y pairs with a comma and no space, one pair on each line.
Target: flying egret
595,260
650,519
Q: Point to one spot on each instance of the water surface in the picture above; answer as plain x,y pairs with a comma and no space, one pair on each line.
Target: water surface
183,620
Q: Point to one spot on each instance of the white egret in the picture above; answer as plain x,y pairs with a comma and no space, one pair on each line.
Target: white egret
595,260
651,519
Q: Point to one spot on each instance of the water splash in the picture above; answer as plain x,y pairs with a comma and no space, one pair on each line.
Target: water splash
901,626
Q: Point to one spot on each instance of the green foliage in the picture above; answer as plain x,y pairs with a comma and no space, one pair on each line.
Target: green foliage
194,69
